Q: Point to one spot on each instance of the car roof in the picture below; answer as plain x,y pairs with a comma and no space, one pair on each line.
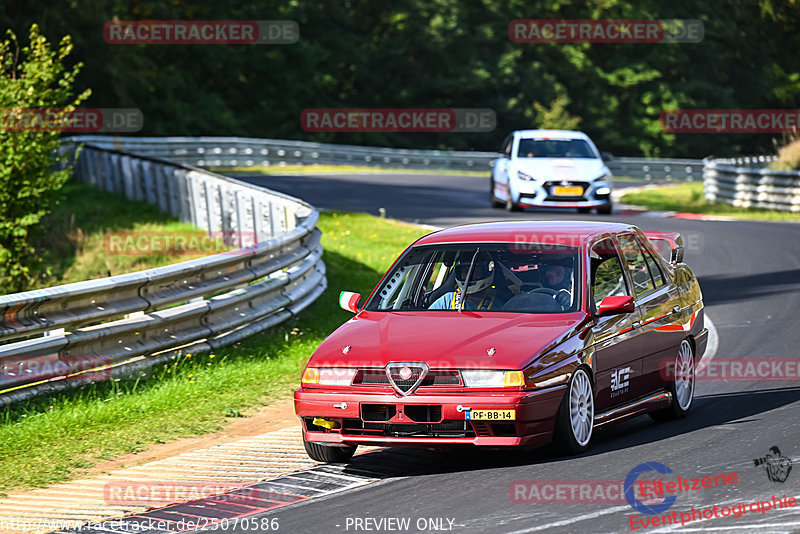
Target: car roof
553,232
538,134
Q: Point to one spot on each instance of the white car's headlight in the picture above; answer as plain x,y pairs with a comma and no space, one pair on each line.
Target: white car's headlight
328,376
607,177
486,378
526,177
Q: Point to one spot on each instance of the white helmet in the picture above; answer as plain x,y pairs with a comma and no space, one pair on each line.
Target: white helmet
481,278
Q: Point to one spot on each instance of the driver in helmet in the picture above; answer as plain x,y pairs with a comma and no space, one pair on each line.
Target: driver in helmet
481,294
558,279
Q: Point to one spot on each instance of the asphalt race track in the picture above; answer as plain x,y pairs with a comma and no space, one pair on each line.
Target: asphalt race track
750,276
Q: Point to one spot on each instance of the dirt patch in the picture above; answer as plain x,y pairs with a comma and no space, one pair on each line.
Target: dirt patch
278,415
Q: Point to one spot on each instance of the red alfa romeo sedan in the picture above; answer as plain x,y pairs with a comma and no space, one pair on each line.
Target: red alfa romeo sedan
509,334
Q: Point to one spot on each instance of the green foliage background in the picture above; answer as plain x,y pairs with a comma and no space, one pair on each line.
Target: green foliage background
32,76
364,53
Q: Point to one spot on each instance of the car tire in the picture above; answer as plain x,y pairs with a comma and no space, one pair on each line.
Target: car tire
493,199
575,420
328,453
606,210
584,210
510,204
681,386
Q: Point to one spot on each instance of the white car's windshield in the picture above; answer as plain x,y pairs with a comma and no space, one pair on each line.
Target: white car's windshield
491,277
555,148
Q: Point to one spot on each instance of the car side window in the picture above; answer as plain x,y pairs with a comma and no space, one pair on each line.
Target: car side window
607,279
652,264
637,266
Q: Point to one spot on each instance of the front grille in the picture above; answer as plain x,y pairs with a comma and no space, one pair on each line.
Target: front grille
482,428
445,429
378,412
423,413
504,429
377,377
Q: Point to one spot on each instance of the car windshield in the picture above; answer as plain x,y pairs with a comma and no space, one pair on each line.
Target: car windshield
485,277
555,148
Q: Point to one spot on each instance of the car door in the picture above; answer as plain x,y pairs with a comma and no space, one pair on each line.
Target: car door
617,371
658,303
501,168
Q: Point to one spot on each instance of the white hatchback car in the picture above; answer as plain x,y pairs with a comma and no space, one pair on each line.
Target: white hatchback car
551,168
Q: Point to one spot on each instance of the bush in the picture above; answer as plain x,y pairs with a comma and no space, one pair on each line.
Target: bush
788,157
31,78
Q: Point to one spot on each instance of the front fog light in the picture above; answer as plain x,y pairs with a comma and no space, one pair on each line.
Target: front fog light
603,191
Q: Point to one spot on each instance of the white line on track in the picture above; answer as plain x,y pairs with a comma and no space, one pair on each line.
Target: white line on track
752,527
572,520
756,527
711,347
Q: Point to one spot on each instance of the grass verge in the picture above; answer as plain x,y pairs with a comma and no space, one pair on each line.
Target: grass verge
688,198
77,239
56,439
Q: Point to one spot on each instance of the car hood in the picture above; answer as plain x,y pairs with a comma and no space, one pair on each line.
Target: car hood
445,339
562,168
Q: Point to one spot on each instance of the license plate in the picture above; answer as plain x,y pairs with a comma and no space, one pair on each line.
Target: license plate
568,191
491,415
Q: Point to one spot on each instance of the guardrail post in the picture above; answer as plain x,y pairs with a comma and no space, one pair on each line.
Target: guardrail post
127,177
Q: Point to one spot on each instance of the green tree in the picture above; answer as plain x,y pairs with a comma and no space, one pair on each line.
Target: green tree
31,78
556,117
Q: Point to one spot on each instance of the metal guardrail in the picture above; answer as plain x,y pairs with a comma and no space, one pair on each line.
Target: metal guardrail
745,183
193,305
248,152
658,169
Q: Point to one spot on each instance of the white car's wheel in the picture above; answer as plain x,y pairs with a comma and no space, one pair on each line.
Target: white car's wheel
510,204
493,201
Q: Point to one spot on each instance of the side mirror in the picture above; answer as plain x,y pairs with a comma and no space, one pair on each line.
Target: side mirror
676,256
606,156
349,301
615,306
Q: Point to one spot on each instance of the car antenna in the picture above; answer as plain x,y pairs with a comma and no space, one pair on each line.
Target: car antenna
466,282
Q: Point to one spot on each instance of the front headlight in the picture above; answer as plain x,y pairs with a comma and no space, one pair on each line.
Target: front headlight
607,177
328,376
526,177
485,378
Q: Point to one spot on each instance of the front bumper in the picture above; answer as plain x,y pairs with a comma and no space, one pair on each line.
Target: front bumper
538,194
444,422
